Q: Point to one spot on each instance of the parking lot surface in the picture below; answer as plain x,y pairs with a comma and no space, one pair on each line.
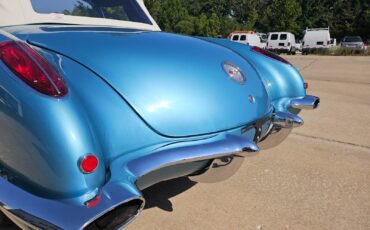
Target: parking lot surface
319,178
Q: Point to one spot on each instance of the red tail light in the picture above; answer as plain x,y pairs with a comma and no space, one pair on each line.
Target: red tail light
89,163
305,85
32,68
269,54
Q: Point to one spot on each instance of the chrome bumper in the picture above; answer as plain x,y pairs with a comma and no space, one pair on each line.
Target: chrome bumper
32,212
226,156
284,122
281,126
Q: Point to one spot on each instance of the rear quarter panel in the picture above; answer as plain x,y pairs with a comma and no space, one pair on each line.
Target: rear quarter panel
42,138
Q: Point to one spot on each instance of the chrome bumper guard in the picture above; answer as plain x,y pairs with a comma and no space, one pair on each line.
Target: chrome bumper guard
284,122
282,125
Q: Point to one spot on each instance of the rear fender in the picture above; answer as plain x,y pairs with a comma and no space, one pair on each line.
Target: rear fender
42,140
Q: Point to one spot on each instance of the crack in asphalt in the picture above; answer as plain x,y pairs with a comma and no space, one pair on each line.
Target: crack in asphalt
333,141
313,61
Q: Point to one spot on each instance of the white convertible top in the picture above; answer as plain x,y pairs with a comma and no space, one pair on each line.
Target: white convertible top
21,12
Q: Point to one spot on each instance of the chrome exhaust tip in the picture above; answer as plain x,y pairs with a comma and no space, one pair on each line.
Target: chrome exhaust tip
118,217
120,203
307,103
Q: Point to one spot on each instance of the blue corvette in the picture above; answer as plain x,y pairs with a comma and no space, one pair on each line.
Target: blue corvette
97,104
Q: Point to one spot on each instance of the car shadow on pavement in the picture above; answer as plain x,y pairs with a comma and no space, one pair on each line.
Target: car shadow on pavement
159,194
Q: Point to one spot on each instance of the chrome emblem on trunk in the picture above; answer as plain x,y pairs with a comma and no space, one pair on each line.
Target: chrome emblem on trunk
234,72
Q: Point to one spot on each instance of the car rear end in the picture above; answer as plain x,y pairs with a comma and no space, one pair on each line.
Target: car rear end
281,43
115,114
316,39
113,140
354,43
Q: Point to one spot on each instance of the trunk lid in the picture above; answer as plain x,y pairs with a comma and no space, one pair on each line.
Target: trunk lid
175,83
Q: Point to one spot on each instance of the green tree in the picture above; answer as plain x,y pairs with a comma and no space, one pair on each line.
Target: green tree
220,17
186,26
213,26
362,23
246,12
283,15
344,17
171,13
155,8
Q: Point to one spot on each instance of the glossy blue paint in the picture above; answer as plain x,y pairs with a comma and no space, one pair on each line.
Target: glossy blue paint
39,135
131,94
168,79
283,82
54,134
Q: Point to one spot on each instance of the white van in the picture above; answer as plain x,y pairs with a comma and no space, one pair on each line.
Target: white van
247,37
281,42
315,39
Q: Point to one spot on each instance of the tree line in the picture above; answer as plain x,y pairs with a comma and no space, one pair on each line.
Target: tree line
220,17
